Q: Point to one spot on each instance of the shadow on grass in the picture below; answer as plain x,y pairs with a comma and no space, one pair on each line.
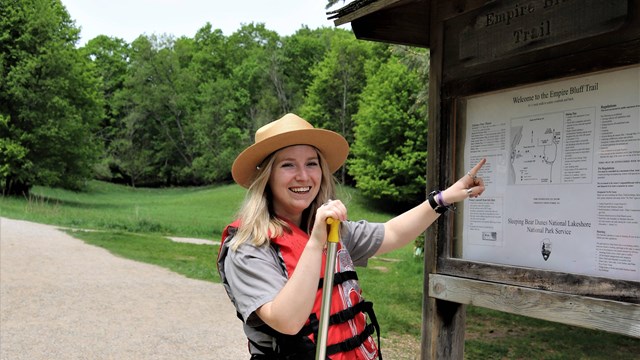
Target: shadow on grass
44,200
496,335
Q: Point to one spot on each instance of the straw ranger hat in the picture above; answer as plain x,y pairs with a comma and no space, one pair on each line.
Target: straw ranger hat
287,131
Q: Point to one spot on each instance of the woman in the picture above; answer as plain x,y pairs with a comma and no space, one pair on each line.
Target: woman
272,257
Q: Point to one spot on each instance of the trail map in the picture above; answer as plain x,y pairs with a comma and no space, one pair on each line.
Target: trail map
535,150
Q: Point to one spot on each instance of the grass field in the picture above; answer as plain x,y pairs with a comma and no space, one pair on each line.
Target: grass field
134,224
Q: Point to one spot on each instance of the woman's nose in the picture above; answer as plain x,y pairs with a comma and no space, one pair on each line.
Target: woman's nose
302,174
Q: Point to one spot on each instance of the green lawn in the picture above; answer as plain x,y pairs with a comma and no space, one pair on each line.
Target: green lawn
191,212
134,224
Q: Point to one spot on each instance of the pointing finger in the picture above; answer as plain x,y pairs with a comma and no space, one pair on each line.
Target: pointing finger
478,166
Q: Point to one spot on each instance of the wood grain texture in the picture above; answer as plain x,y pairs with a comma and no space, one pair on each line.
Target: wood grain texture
607,315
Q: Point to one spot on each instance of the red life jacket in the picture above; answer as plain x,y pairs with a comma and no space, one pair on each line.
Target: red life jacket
349,335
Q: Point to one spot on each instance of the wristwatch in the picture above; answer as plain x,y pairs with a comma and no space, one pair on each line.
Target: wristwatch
440,209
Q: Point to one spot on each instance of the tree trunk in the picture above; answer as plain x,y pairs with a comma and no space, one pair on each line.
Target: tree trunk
13,187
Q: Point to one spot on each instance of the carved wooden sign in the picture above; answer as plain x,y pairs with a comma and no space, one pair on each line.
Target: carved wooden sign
503,29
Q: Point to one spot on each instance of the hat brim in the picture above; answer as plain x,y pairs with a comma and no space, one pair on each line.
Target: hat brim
332,145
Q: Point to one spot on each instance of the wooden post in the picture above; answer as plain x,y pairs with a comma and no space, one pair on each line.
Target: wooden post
443,324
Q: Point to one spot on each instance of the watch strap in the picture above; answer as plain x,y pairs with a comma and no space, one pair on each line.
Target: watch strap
434,204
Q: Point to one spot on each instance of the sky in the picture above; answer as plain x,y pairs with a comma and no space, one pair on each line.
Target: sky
128,19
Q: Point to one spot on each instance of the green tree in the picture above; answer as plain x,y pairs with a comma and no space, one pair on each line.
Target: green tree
218,121
302,51
49,99
159,90
338,80
245,81
211,54
221,130
238,79
418,61
110,58
252,52
390,149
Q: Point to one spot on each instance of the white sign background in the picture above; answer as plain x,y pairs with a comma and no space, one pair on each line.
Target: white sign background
562,176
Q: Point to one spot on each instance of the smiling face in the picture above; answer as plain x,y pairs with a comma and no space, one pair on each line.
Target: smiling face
295,181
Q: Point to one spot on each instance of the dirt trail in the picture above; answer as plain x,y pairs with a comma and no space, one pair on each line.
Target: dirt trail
63,299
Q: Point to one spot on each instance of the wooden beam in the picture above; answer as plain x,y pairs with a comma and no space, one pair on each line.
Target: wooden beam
554,281
366,10
607,315
404,22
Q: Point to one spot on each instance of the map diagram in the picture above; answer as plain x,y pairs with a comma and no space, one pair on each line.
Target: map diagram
535,150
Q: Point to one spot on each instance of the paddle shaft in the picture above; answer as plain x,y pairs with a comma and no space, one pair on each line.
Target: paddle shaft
327,288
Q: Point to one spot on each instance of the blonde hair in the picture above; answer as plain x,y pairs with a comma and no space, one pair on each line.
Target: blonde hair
258,221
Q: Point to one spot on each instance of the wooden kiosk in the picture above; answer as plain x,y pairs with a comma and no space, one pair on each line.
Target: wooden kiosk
549,92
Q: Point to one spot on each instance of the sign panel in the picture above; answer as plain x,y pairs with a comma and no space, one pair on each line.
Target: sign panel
562,176
501,29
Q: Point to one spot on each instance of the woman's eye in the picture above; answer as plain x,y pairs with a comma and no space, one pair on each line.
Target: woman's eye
313,163
286,165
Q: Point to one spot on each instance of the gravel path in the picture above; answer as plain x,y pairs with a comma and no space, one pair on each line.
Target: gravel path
63,299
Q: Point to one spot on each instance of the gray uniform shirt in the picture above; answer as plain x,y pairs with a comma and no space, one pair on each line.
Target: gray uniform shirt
253,276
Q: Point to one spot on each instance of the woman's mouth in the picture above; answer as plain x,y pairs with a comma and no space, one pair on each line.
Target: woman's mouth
301,189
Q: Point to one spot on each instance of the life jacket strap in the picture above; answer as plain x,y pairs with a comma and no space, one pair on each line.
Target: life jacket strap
296,347
352,342
339,278
344,316
349,313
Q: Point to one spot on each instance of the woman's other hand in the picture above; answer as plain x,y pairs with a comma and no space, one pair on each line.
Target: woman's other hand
470,185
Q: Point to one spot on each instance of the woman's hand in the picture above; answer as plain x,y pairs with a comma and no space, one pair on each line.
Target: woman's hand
331,209
470,185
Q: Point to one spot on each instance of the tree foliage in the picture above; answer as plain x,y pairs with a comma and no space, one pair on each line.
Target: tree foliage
389,152
165,111
49,103
110,57
338,80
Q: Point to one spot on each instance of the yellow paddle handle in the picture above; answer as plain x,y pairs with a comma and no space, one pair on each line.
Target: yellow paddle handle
334,224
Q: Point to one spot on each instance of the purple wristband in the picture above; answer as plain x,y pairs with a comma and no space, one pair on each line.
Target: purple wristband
440,200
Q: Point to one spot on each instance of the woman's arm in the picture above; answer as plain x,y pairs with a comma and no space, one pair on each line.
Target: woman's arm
290,309
404,228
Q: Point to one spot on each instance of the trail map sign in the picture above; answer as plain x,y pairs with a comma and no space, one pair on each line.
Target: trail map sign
562,176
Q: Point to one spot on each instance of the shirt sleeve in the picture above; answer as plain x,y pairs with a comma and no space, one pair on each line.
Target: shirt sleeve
362,239
257,278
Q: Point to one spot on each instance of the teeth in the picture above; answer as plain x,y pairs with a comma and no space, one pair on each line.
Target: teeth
301,189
